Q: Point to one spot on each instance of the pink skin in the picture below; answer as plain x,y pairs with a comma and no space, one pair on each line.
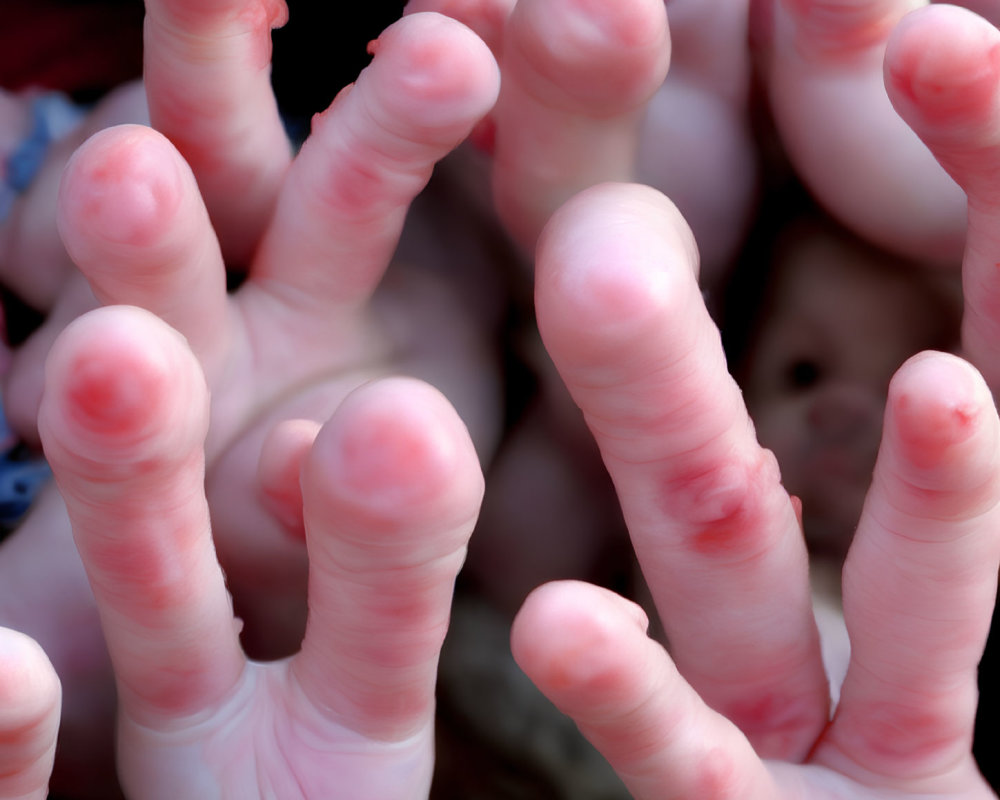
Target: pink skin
943,75
390,492
621,315
29,717
586,98
823,66
207,73
334,228
577,76
622,319
302,332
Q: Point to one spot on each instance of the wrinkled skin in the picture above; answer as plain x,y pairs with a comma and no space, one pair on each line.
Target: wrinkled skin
292,342
720,545
389,493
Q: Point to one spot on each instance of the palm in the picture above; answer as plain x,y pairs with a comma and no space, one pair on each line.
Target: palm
267,740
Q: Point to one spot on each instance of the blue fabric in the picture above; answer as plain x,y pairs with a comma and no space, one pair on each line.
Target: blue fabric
53,115
22,475
22,471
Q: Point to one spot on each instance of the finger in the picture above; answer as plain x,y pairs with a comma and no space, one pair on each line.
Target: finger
621,314
207,70
123,422
278,472
391,490
587,650
132,220
831,109
943,75
29,717
342,208
576,77
920,581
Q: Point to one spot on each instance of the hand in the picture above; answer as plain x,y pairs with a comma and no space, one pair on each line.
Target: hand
720,545
390,489
302,331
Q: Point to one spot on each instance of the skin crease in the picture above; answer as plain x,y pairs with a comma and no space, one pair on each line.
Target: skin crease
610,112
732,766
29,716
546,143
922,570
390,492
642,359
173,246
220,111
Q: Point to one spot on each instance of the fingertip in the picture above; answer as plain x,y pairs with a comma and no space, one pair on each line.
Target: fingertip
587,650
574,641
394,447
609,263
592,56
119,378
433,74
939,455
943,64
936,402
124,185
391,491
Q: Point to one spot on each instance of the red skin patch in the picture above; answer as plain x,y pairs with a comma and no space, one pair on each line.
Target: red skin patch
128,198
106,397
926,434
356,185
716,777
902,735
180,688
724,505
285,505
261,18
775,723
385,456
566,673
968,95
